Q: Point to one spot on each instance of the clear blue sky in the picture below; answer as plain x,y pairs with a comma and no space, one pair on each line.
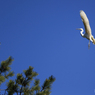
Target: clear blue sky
42,34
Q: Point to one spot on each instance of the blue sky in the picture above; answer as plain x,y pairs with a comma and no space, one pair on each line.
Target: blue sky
42,34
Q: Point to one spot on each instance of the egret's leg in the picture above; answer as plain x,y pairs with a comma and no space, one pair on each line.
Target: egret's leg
89,45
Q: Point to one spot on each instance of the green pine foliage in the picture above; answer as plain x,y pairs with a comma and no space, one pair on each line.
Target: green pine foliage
5,70
21,85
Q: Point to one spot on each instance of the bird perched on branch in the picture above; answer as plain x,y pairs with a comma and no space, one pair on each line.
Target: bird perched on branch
88,33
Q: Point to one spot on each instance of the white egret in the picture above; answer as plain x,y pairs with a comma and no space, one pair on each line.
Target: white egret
87,33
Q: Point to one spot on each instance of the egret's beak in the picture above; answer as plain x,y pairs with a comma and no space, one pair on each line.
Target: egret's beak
78,29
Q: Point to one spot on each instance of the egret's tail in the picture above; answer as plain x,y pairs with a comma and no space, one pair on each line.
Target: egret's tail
93,40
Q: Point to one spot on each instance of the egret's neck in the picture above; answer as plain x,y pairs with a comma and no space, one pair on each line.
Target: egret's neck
81,32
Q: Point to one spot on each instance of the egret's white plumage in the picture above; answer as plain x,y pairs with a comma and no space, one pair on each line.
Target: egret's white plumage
87,33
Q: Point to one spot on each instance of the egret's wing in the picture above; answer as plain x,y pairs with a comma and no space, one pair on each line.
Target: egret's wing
85,22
